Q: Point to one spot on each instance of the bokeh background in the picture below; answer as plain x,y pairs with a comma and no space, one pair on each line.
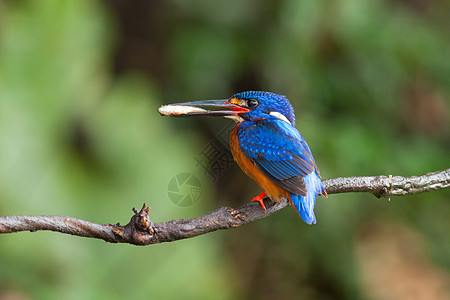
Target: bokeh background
80,82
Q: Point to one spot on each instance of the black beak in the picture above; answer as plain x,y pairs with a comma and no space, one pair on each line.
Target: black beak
214,108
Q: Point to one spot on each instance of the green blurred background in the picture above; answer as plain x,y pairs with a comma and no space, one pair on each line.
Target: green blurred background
80,82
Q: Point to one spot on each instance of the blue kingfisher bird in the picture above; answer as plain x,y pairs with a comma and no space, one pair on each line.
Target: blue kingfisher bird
266,146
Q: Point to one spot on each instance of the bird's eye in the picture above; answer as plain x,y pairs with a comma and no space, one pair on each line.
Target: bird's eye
251,103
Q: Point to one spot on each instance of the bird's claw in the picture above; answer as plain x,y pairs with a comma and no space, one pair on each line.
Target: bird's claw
259,199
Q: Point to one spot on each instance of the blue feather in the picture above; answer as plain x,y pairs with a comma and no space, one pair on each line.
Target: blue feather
281,153
305,204
276,146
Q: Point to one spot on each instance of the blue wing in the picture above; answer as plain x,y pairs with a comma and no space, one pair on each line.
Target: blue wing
279,151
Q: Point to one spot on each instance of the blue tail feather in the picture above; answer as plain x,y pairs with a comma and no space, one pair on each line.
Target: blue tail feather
305,204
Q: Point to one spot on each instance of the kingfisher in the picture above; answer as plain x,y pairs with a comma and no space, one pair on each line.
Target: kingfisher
266,146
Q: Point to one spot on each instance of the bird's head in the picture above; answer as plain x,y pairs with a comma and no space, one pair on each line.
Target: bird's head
250,106
263,105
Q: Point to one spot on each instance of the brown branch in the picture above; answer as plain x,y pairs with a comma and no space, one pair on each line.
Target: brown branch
141,231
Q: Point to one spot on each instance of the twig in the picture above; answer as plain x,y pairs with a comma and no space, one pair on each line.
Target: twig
141,231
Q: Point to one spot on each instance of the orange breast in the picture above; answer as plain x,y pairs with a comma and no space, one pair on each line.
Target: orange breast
271,189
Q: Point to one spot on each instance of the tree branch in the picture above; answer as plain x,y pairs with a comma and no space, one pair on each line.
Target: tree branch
141,231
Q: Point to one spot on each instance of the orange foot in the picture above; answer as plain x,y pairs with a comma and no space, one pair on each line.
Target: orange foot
260,198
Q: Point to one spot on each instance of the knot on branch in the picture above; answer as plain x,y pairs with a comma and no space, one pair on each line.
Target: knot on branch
382,192
139,231
141,220
386,183
140,228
